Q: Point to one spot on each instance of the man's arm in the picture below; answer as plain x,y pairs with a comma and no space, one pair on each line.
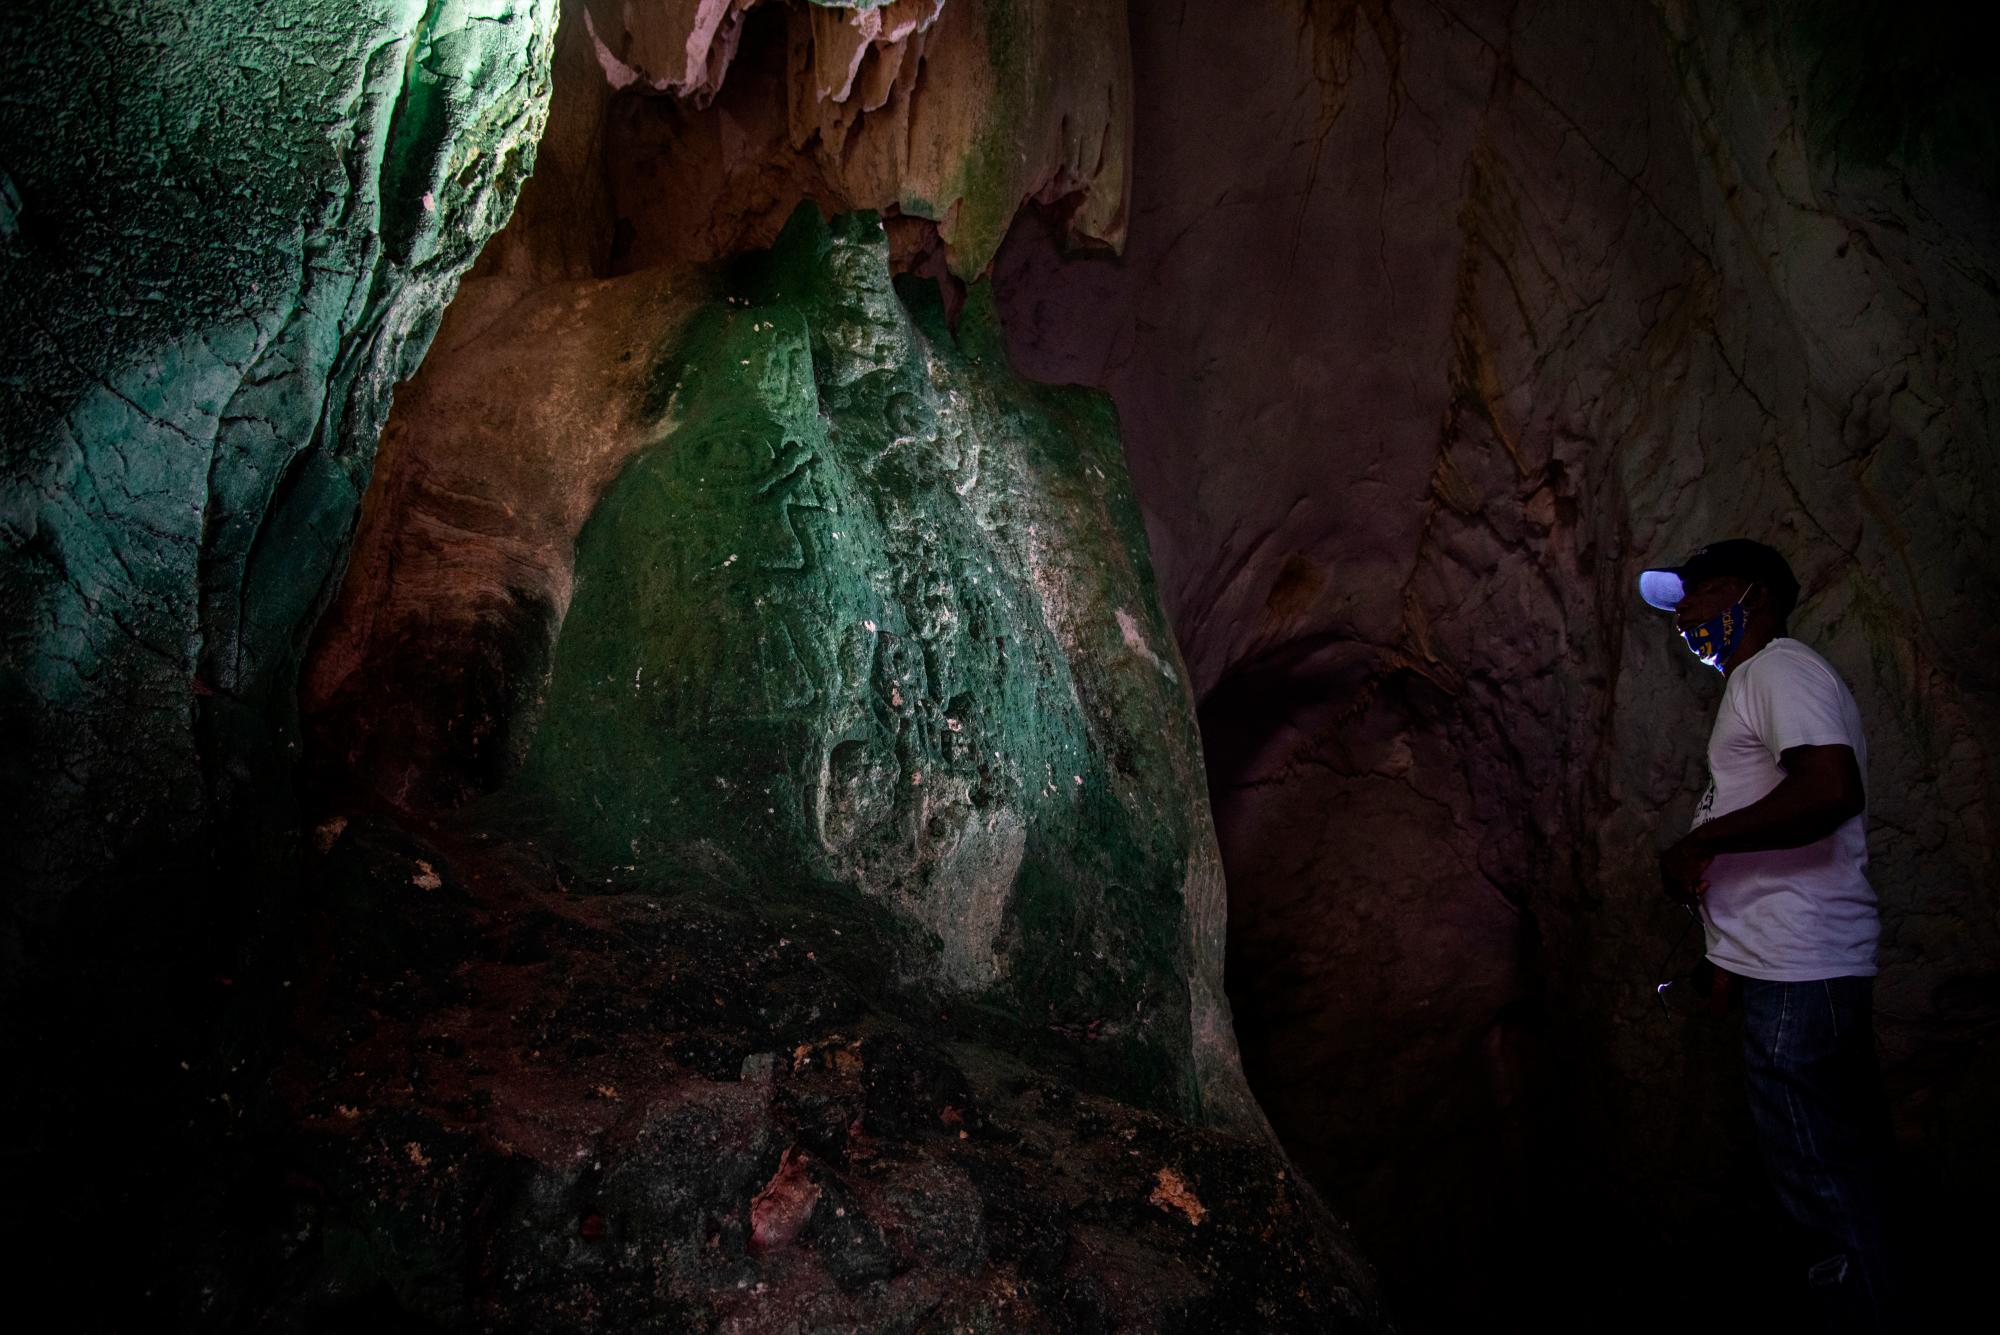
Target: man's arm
1820,792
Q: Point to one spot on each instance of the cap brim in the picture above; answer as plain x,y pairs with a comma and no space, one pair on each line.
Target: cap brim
1661,588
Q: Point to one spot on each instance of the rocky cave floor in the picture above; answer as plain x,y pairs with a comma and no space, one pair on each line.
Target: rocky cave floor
491,1090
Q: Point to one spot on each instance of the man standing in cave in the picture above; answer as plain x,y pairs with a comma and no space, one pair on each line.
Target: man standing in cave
1775,862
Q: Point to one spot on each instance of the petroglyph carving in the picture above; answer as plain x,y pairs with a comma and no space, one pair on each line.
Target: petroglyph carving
873,581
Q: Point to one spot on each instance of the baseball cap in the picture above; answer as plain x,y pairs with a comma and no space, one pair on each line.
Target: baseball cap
1752,561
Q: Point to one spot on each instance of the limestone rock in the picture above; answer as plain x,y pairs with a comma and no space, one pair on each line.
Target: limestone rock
955,112
1435,325
965,703
238,226
871,617
425,676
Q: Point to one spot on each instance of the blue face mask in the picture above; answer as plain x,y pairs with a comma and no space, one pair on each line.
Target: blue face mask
1715,639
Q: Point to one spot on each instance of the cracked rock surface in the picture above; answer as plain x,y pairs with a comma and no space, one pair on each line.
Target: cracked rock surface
1436,324
854,607
697,126
232,228
837,944
869,613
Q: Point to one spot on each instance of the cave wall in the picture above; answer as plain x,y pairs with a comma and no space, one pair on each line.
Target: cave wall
207,318
230,230
1062,871
644,177
1435,324
890,632
845,951
226,232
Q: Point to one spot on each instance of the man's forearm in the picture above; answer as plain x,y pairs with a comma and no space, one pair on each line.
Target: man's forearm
1791,815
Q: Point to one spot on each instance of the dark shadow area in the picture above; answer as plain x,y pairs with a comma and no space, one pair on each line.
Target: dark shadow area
1462,1130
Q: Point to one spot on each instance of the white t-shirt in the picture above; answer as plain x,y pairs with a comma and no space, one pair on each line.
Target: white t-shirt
1791,914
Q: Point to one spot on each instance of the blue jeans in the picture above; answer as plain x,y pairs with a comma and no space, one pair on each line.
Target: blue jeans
1822,1125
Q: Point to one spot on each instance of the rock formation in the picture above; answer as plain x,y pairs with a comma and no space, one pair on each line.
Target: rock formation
426,685
1436,323
700,124
235,232
889,629
702,827
475,513
857,958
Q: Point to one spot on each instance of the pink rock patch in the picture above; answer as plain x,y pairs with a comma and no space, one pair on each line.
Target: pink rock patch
781,1209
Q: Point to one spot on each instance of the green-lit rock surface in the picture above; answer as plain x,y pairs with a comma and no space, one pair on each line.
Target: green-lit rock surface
871,628
842,952
230,228
226,230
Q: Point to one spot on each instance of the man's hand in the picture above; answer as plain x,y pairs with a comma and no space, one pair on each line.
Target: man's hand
1684,871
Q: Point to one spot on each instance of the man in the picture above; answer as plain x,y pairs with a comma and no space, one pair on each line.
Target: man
1775,859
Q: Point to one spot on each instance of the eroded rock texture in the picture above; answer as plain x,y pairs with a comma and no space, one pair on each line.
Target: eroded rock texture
231,229
870,613
228,230
721,115
1437,323
429,664
757,590
859,807
962,704
468,537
